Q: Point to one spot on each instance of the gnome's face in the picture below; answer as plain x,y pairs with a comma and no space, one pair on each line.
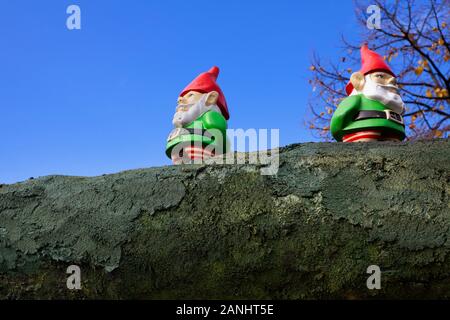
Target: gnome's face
380,86
192,105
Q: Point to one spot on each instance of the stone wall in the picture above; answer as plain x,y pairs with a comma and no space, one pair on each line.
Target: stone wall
228,232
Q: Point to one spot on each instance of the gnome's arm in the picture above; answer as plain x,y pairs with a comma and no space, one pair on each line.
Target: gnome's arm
343,115
214,120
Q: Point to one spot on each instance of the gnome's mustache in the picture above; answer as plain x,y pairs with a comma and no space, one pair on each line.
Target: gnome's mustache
389,87
383,93
186,113
183,107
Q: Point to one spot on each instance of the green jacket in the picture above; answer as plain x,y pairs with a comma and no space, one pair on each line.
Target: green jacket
209,120
342,121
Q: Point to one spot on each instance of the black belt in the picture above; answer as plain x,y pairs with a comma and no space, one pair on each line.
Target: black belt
197,131
386,114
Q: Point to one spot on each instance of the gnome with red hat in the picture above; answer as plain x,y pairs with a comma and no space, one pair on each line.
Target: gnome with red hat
200,121
373,109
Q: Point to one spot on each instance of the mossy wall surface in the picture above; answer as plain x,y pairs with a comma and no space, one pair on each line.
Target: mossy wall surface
228,232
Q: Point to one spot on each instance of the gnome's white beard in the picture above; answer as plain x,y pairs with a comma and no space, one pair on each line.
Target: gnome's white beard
194,111
379,92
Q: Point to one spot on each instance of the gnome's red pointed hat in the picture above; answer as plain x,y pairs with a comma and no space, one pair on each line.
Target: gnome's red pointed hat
370,62
206,82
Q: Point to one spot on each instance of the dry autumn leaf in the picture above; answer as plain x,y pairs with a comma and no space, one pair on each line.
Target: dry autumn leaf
418,71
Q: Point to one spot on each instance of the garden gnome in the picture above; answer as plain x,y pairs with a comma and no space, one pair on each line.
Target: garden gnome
200,121
373,109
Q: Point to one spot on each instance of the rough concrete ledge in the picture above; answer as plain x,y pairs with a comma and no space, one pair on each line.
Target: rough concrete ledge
228,232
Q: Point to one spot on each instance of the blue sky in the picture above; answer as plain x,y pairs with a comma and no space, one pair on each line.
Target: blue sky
101,99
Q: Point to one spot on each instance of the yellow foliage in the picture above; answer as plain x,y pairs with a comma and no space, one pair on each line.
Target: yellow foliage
440,92
418,71
438,133
428,93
